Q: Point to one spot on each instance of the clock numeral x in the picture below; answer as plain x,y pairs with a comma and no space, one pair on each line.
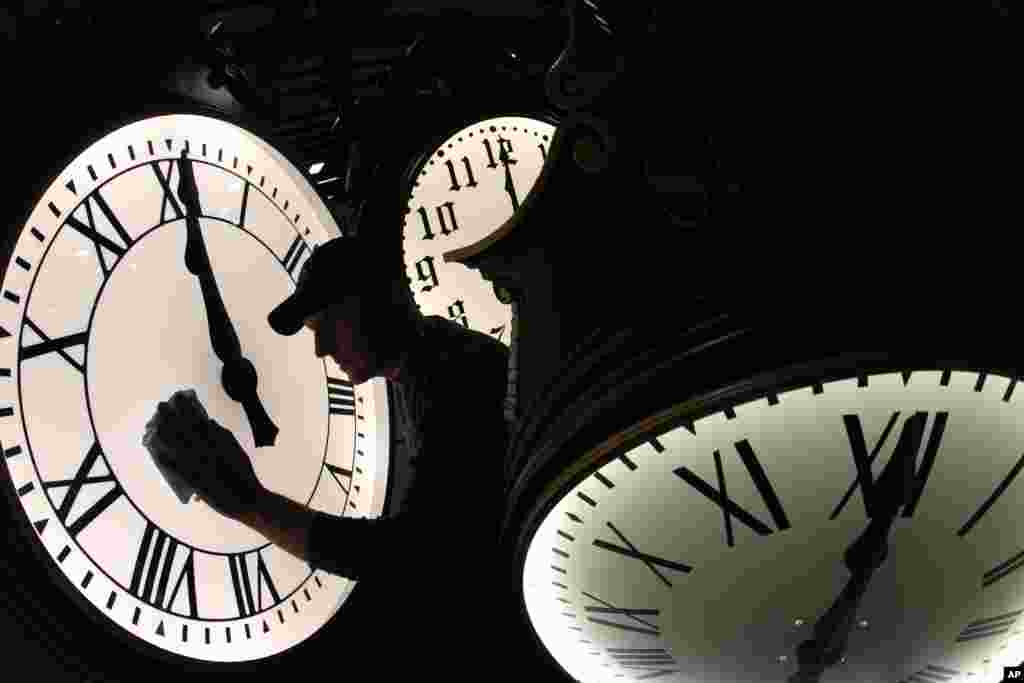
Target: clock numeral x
50,345
75,488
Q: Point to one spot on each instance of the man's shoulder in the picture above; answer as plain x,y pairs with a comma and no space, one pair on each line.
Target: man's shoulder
448,337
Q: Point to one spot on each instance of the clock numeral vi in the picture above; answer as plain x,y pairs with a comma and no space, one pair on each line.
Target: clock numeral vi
153,568
249,584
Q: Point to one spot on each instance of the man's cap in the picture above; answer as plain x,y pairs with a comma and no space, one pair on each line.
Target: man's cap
335,269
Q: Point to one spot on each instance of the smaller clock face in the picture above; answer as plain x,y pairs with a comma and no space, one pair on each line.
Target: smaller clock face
471,184
709,552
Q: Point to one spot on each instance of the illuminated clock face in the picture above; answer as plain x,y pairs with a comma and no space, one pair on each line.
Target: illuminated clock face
101,320
710,551
470,185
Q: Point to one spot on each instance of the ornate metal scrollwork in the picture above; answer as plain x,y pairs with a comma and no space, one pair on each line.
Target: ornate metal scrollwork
589,63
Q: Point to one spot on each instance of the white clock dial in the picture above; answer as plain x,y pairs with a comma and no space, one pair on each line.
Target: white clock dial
461,195
101,321
707,553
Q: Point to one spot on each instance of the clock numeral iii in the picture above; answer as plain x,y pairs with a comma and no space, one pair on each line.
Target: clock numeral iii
75,487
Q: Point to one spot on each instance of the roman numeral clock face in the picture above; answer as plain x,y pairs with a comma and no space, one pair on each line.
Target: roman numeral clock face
708,552
471,184
101,320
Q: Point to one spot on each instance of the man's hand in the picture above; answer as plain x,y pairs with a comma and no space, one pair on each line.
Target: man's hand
211,460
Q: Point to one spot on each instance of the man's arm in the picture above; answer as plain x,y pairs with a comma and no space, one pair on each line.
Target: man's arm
284,522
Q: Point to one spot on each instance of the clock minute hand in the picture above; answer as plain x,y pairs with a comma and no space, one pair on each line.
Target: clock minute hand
238,376
893,490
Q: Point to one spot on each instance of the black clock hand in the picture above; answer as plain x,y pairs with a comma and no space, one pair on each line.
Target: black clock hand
510,186
238,376
892,491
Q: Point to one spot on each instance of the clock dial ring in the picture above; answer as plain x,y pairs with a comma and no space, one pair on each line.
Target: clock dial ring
612,451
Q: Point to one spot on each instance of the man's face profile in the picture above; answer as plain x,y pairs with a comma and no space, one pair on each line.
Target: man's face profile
339,333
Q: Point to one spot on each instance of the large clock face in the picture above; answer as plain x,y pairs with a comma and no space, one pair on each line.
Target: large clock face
101,321
708,552
468,187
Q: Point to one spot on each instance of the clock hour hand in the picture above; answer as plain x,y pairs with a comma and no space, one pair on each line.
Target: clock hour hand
510,186
238,376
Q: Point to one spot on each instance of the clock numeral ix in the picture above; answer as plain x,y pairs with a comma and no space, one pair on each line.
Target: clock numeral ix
152,573
729,508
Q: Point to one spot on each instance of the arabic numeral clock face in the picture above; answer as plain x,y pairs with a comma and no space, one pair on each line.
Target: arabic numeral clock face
468,187
101,320
709,550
